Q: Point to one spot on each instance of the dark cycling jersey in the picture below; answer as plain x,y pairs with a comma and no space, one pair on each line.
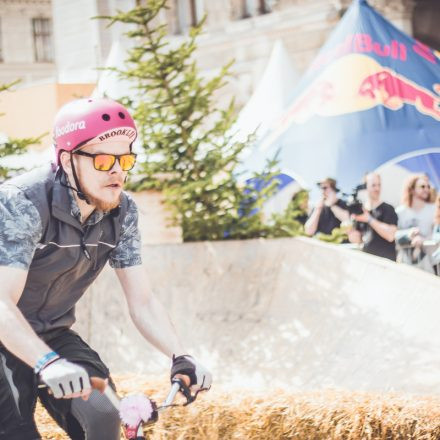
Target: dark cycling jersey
40,231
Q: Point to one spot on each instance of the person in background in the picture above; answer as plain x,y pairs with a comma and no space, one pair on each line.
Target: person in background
436,236
329,212
379,222
415,222
300,201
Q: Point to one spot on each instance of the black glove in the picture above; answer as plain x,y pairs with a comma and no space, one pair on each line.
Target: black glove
199,376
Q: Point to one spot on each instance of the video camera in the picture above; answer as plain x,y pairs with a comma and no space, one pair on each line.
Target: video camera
354,205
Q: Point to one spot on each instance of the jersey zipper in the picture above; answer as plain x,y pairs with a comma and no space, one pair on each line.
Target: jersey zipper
46,297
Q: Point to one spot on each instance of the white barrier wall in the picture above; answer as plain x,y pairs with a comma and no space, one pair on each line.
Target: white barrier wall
285,312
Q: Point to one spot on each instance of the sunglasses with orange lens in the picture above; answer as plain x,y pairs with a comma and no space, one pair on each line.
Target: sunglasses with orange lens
105,162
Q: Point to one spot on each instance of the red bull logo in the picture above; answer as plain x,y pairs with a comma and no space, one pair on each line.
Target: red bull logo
354,83
393,91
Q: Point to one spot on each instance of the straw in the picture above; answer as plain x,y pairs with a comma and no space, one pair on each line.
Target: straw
280,415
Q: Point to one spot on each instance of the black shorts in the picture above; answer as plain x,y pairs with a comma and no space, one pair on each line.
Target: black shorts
19,387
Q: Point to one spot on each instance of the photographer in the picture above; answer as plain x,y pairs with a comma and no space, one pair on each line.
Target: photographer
329,212
377,224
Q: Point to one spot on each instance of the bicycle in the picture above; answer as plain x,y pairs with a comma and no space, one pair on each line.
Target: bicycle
137,411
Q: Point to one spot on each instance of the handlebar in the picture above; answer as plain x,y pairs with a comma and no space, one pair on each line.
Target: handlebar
178,384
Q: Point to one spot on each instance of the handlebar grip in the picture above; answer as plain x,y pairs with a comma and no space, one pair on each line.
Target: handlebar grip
184,389
98,384
101,385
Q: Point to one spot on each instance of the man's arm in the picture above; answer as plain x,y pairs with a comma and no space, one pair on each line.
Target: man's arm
340,213
311,224
23,342
153,322
147,312
385,230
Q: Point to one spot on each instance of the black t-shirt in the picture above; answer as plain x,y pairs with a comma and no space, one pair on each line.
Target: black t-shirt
327,220
373,242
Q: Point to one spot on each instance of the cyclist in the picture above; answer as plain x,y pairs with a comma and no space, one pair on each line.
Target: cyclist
59,225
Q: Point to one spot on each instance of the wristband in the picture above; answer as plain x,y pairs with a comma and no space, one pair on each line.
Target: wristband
370,219
45,360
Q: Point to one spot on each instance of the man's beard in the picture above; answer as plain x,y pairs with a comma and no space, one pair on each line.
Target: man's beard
100,205
424,198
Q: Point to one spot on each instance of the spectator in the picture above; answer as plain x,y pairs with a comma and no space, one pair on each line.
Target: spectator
415,222
436,237
378,222
300,202
436,228
329,212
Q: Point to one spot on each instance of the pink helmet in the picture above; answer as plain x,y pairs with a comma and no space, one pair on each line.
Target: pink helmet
81,120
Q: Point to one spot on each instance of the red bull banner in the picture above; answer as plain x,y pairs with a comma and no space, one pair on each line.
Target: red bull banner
371,95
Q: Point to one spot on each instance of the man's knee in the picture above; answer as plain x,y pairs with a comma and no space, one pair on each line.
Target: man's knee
97,417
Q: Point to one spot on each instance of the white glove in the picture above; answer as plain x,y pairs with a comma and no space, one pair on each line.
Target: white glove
201,378
64,378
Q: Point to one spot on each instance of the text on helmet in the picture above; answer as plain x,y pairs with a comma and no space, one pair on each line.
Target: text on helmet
69,127
130,133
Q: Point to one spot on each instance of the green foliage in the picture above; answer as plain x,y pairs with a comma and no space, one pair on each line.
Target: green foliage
338,236
190,151
13,146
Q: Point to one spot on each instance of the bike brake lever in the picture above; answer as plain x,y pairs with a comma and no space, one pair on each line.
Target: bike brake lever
185,391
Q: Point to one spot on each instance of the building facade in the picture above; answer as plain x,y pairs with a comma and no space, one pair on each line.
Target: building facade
26,41
59,42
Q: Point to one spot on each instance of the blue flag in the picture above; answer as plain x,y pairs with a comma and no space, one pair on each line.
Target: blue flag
371,95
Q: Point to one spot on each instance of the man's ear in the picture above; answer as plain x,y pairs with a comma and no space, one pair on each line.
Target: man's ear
65,160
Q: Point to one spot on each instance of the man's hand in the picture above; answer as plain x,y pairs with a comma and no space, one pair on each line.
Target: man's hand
413,232
362,218
66,380
354,236
200,377
331,199
417,241
321,203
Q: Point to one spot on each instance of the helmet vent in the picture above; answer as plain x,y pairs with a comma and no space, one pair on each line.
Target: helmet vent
121,115
106,117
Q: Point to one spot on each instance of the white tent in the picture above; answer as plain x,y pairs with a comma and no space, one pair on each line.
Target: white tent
109,83
269,100
270,97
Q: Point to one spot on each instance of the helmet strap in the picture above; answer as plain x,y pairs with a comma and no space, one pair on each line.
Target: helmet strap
78,189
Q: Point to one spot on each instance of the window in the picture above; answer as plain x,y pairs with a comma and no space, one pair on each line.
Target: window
42,35
189,13
264,6
250,8
425,21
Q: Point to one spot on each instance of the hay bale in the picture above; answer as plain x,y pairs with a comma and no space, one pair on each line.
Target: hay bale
341,415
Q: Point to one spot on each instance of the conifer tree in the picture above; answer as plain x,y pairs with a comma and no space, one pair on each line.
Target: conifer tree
188,145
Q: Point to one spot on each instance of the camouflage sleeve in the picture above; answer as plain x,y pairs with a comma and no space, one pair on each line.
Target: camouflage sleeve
128,250
20,228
